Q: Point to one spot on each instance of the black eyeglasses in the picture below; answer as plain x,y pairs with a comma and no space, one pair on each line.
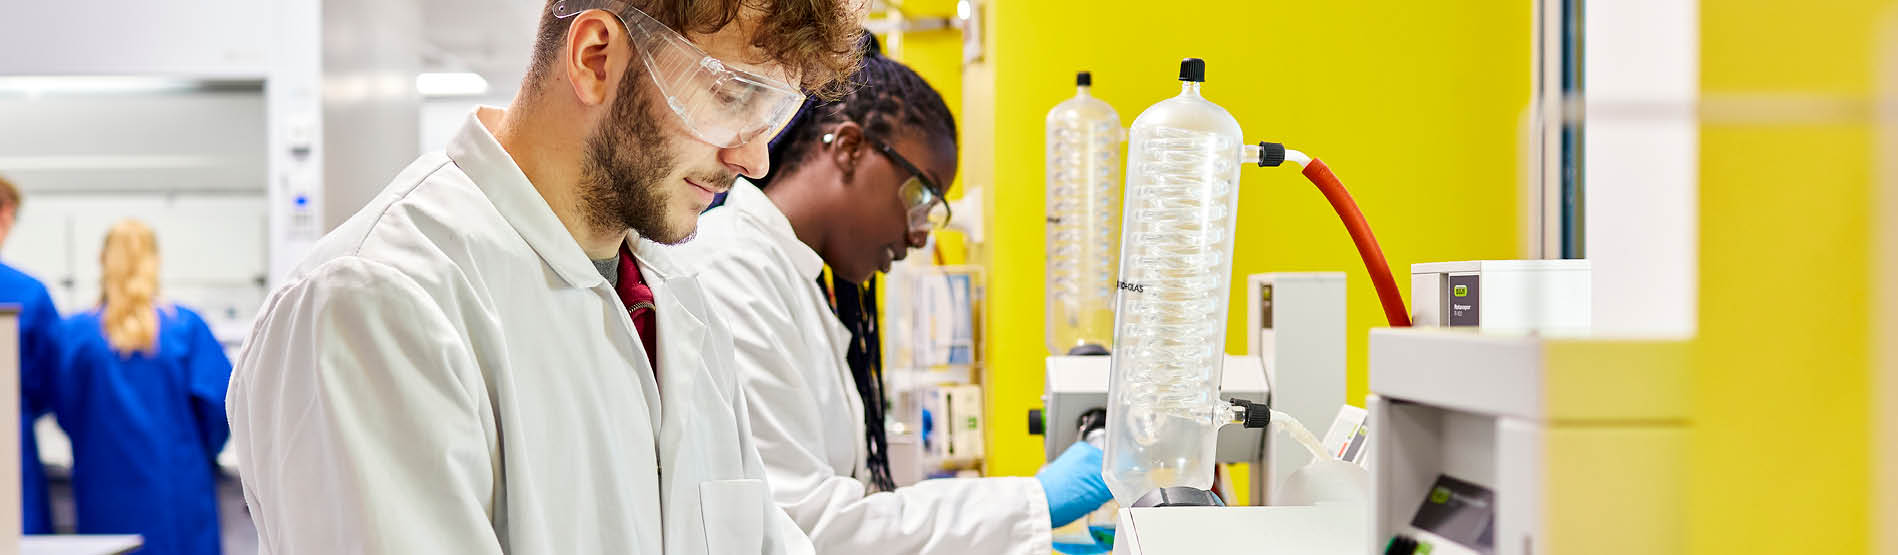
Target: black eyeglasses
920,194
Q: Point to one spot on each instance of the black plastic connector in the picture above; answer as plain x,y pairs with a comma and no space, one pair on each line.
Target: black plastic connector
1093,419
1193,69
1258,415
1037,424
1084,79
1271,154
1400,545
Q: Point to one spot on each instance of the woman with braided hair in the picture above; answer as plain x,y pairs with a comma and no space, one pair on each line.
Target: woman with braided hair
141,395
856,183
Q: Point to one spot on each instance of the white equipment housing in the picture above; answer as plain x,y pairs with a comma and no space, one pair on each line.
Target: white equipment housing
1296,324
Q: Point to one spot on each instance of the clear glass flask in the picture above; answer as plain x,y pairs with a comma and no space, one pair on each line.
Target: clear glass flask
1083,141
1182,194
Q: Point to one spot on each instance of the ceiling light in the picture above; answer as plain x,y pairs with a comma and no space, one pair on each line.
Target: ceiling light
451,84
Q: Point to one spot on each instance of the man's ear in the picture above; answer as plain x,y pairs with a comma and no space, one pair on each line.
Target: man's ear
589,59
844,145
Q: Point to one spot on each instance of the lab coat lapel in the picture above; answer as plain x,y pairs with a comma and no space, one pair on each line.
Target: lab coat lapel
682,333
681,315
808,268
648,380
839,348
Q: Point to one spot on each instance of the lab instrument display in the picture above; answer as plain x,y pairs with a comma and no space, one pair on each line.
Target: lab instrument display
1502,294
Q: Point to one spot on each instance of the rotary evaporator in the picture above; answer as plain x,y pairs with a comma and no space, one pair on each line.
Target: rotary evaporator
1083,140
1180,212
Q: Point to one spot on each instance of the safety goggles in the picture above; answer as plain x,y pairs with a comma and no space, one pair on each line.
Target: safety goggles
722,105
927,209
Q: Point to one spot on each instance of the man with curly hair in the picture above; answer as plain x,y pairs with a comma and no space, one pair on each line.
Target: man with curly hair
496,355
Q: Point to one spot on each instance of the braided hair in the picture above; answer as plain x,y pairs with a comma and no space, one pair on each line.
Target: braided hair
886,98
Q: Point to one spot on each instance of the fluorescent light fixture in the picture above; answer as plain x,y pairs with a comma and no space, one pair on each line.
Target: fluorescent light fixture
451,84
37,86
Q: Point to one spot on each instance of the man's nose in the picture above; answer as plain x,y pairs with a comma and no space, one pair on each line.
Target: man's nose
752,159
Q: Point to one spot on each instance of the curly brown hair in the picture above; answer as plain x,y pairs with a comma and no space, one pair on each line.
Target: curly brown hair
816,40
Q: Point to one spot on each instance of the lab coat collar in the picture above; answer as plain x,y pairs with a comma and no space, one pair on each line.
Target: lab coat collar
655,260
750,200
683,335
480,155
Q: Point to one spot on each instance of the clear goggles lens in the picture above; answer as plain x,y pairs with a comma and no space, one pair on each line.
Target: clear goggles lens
722,105
926,209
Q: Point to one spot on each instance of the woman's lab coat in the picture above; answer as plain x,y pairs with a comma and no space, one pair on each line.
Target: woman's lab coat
39,356
448,373
807,416
145,431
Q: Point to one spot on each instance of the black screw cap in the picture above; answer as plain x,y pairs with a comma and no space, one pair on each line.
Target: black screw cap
1084,79
1258,415
1193,69
1271,154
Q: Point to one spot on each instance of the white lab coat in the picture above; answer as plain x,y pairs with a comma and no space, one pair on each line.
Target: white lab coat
448,373
808,419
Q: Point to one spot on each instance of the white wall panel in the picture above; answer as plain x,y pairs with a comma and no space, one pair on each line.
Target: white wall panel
1641,155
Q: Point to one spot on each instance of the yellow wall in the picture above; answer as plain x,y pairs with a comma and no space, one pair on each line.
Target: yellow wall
1417,107
1782,405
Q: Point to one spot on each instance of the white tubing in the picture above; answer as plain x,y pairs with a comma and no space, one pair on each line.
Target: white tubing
1297,157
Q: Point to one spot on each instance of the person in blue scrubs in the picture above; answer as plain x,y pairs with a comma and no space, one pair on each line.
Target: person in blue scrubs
141,393
39,352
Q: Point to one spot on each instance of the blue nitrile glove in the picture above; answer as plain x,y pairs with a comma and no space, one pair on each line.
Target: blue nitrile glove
1073,484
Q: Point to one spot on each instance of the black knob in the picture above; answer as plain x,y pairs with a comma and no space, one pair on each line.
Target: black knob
1036,424
1258,415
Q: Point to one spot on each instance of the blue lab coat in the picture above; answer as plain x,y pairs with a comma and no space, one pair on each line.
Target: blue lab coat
146,431
39,353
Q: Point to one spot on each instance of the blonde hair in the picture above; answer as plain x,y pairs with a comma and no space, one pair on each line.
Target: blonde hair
129,288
